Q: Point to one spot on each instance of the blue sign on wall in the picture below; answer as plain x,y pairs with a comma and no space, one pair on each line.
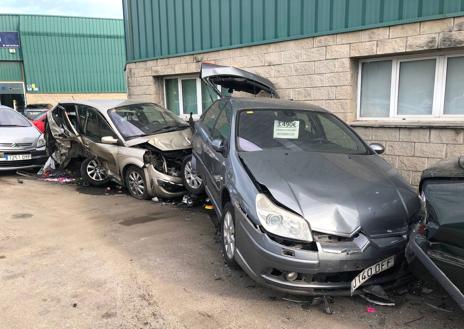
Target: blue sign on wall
9,40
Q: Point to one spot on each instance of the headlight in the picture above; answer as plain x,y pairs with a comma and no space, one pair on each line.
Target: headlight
281,222
41,141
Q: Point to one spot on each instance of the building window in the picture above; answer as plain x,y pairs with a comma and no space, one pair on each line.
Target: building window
413,87
187,94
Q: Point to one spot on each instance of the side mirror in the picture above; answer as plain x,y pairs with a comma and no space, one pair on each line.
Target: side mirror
109,140
218,145
377,148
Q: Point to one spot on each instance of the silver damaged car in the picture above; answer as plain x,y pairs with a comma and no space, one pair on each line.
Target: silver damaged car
139,145
304,204
22,146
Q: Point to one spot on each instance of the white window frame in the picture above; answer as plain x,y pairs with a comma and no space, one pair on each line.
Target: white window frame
439,88
179,88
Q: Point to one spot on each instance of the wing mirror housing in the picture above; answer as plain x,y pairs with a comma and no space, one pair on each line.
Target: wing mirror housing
218,145
377,148
109,140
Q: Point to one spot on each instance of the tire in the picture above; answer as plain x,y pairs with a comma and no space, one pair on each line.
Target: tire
136,183
93,172
192,182
228,241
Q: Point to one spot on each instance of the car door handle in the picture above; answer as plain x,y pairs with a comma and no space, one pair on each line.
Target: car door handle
218,178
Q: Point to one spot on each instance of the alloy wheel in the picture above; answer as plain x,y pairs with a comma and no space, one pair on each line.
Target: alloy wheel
136,184
192,179
95,171
229,235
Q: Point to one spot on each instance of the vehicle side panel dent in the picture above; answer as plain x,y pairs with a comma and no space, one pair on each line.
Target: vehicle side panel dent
241,188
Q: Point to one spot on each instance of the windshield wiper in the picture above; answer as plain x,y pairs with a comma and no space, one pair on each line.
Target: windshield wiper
170,127
12,126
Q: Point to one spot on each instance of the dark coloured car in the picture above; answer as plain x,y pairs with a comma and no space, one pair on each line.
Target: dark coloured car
437,242
305,206
33,110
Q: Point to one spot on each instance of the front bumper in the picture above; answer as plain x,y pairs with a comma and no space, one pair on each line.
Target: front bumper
38,159
162,185
319,272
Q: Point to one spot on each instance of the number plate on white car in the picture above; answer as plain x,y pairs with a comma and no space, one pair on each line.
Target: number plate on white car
16,157
369,272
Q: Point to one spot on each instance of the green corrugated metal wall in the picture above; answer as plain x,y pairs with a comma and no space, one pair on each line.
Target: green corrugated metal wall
69,54
11,71
161,28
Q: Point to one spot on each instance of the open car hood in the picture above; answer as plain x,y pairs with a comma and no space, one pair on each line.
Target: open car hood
229,77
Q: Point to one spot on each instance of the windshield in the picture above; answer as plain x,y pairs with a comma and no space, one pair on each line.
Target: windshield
10,118
295,130
144,119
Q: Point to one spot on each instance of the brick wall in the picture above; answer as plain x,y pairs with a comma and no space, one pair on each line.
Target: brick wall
323,71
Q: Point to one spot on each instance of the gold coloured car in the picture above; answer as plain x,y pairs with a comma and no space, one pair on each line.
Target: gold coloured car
139,145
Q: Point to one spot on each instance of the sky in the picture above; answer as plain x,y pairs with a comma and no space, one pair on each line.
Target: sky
89,8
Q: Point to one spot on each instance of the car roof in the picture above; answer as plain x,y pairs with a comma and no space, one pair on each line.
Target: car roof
104,104
6,107
243,103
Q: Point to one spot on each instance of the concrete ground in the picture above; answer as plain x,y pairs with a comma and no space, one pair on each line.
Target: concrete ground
73,257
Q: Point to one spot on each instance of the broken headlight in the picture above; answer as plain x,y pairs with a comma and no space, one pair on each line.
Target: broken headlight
281,222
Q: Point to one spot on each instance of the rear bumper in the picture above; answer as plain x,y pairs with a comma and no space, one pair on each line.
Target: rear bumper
38,160
416,246
319,272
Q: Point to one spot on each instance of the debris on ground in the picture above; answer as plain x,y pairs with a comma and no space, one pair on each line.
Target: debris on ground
371,309
323,301
414,320
376,295
51,173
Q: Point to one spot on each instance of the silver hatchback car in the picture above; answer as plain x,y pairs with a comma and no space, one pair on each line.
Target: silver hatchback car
22,146
139,145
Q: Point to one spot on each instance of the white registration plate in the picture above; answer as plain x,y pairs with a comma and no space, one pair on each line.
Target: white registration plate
15,157
369,272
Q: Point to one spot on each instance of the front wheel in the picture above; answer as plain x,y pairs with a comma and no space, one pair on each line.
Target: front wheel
229,245
192,182
94,173
136,183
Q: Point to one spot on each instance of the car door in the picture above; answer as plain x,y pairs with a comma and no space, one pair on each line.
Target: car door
218,125
202,140
93,127
61,124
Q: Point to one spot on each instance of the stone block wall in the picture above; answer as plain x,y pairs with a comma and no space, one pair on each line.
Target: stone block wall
411,150
55,98
323,71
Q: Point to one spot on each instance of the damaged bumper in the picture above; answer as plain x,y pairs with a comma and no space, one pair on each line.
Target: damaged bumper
162,185
36,160
316,268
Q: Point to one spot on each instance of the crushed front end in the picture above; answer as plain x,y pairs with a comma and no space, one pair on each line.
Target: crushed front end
327,265
164,171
